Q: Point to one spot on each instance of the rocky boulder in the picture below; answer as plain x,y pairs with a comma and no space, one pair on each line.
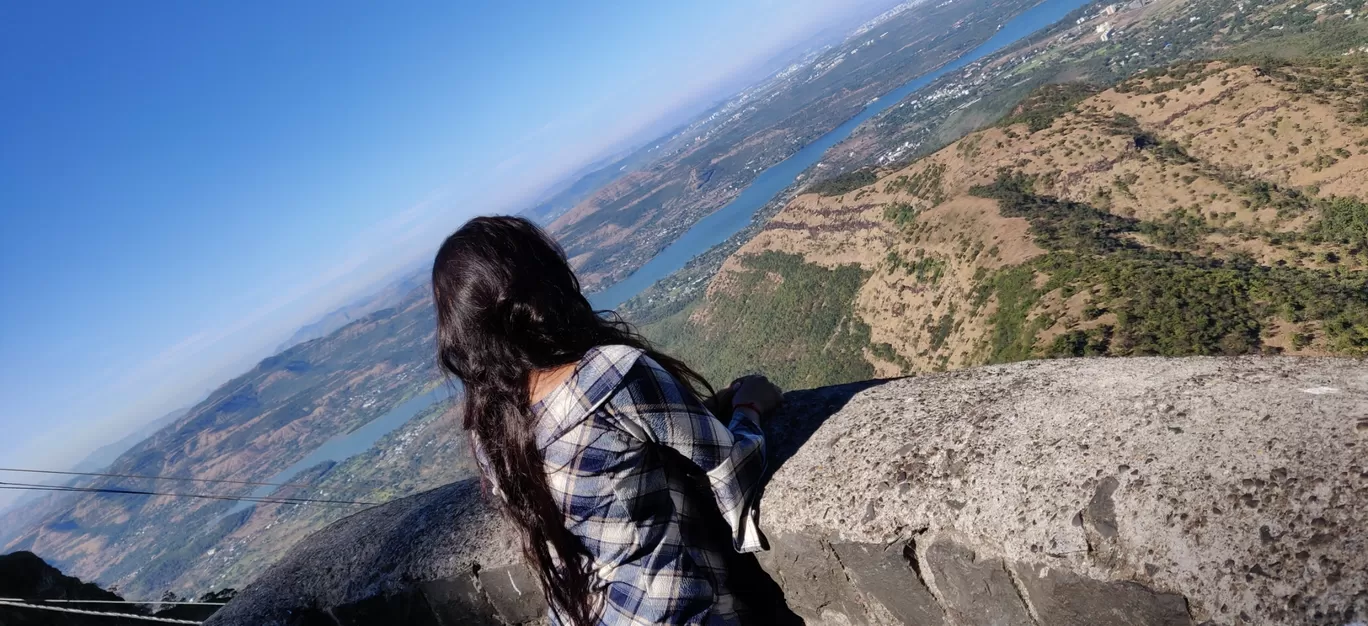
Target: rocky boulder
27,579
1117,491
439,557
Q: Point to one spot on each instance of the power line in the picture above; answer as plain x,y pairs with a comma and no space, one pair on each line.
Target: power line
60,609
49,600
142,476
139,492
128,492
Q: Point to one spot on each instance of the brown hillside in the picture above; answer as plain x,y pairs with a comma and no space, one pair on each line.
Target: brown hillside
1207,164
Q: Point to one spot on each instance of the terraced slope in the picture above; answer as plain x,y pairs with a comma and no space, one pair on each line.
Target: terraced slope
1205,208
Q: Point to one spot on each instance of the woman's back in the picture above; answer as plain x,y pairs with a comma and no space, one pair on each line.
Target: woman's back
659,491
633,502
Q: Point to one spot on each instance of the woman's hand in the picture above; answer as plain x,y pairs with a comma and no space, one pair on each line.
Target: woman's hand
720,403
757,392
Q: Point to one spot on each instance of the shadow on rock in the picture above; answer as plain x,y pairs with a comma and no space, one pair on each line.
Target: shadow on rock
802,414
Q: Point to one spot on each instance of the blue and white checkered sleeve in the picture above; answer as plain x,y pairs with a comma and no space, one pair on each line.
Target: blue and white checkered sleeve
733,455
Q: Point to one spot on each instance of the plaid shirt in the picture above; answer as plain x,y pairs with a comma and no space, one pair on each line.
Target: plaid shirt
632,456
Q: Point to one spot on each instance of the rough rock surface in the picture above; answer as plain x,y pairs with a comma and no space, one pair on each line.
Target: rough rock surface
1118,491
24,575
439,557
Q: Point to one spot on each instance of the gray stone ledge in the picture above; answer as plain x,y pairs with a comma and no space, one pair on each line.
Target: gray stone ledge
1094,491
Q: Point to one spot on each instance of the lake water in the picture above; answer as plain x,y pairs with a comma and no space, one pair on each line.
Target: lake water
708,232
735,215
342,447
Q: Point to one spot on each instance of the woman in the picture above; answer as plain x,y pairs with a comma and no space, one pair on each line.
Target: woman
633,500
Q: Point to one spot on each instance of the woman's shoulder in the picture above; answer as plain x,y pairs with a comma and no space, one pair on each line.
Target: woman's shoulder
608,369
598,366
598,376
613,353
605,368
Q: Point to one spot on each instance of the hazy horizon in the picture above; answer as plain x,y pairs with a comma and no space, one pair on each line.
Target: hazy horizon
187,186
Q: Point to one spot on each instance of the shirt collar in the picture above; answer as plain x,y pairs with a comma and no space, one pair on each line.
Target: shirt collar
598,374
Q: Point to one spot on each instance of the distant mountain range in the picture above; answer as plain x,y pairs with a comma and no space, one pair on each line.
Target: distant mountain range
98,460
105,455
388,294
707,163
250,428
585,182
581,185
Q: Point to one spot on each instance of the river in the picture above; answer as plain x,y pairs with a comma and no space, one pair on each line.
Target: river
735,215
708,232
343,446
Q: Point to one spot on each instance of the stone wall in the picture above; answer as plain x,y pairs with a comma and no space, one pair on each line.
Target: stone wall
1122,491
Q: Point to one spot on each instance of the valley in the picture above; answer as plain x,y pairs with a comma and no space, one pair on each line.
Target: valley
1194,183
691,173
1142,35
1209,207
249,429
290,404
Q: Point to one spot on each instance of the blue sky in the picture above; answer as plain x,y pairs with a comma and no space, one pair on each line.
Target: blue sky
182,184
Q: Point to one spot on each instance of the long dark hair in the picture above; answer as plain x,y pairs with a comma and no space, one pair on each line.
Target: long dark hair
509,304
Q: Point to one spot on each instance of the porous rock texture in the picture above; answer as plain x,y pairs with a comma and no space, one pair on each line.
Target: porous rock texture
439,557
1095,491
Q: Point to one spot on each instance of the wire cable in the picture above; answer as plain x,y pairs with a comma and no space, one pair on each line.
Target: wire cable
140,492
61,609
49,600
142,476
